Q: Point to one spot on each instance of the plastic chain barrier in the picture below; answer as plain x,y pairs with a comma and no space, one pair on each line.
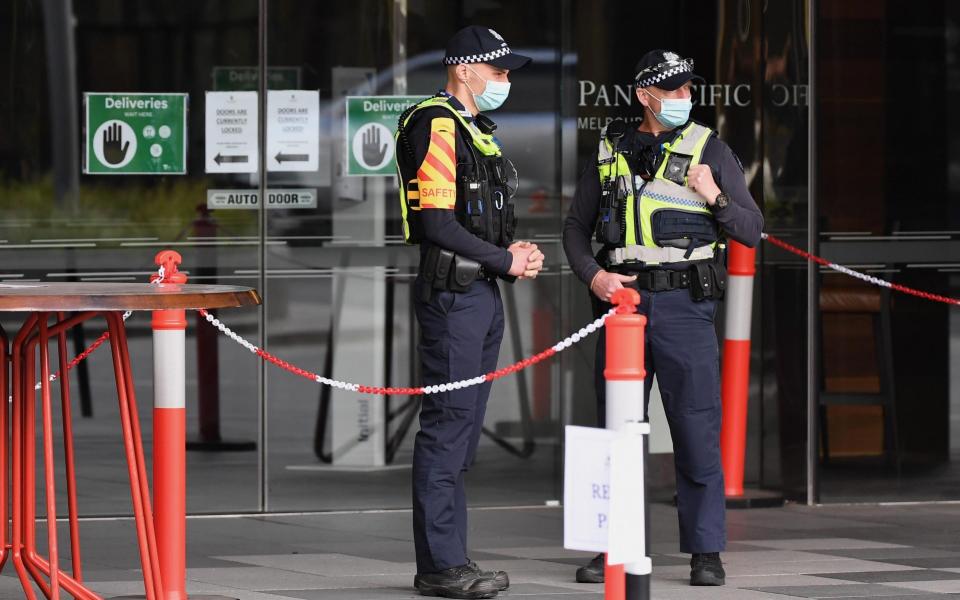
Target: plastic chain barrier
858,275
410,391
464,383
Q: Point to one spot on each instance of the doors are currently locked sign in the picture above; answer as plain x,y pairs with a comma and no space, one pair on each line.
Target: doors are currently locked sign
135,134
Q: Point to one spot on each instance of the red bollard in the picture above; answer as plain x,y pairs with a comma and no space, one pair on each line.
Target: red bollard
624,374
735,380
170,433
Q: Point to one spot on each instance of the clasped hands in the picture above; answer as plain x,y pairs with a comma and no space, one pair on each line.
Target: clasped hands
527,260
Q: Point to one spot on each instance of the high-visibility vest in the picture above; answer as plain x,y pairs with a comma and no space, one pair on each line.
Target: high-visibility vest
483,205
637,215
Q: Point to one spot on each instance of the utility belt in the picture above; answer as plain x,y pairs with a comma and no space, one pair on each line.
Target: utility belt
444,270
705,280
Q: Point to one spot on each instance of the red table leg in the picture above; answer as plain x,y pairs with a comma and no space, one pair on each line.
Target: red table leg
135,463
18,370
38,566
31,567
48,469
68,456
4,441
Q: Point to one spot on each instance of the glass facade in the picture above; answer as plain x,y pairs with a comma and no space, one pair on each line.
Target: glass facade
828,420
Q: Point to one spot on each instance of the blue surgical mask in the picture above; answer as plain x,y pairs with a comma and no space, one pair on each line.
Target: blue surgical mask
493,96
674,112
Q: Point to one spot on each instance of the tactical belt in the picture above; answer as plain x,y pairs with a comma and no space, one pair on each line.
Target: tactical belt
659,280
705,280
657,256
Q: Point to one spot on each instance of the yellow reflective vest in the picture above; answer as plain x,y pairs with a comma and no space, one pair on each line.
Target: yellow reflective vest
662,212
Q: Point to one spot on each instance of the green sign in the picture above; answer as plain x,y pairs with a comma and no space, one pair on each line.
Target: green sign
371,123
237,79
135,134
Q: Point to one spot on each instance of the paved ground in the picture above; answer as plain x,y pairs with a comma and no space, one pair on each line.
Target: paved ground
852,552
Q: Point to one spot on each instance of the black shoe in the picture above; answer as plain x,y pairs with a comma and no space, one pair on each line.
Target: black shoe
707,569
592,572
499,577
456,582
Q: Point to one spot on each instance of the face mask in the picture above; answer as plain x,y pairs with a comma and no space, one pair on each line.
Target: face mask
493,95
674,112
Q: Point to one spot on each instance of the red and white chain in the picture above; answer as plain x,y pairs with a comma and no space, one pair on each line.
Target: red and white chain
858,275
409,391
480,379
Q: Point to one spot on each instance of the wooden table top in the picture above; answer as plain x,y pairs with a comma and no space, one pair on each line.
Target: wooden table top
54,296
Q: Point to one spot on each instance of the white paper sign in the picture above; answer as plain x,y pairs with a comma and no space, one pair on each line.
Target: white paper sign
627,536
231,130
586,488
293,130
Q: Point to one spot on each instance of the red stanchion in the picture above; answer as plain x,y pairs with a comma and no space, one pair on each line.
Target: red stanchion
735,379
170,434
624,374
736,365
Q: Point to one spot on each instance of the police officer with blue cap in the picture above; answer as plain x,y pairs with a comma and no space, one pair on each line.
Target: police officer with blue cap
456,189
661,199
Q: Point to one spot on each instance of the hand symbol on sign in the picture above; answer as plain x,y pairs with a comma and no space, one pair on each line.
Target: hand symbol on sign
373,152
114,149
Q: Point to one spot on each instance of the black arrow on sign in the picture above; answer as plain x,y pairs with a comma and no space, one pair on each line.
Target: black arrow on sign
236,158
281,157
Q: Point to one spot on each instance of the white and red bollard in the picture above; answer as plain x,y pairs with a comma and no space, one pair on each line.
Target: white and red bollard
734,389
170,433
735,382
624,374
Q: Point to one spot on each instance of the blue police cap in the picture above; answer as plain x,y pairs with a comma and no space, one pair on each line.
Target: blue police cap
664,69
476,44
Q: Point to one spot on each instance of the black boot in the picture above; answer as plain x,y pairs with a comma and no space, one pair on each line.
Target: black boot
707,569
455,582
592,572
499,577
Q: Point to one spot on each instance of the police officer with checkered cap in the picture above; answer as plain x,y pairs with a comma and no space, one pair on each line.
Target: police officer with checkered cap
662,198
456,193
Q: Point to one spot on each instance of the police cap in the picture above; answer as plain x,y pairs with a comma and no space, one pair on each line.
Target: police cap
476,44
664,69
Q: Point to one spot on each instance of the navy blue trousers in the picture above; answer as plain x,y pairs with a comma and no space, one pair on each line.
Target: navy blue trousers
460,336
681,350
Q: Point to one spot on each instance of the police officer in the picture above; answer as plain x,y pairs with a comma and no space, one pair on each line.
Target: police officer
660,198
455,194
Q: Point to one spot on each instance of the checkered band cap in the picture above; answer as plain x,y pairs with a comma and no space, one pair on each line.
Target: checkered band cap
654,77
664,69
476,58
476,44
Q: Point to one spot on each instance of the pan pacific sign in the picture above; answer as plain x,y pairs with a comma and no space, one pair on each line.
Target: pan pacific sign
602,95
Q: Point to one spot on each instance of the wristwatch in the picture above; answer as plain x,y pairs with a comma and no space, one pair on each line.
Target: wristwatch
721,202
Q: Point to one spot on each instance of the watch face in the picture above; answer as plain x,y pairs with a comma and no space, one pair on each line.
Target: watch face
722,200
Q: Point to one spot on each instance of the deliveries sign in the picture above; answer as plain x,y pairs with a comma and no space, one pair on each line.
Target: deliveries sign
135,134
371,123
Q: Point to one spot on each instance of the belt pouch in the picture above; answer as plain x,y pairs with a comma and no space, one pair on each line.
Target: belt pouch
442,272
719,280
428,270
701,283
463,274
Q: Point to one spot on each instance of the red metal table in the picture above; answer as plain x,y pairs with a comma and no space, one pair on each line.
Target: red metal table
161,535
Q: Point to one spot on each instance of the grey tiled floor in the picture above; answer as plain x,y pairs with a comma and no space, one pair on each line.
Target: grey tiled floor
851,552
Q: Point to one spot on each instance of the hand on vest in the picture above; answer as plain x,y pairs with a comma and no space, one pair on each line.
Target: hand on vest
527,260
700,180
604,284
